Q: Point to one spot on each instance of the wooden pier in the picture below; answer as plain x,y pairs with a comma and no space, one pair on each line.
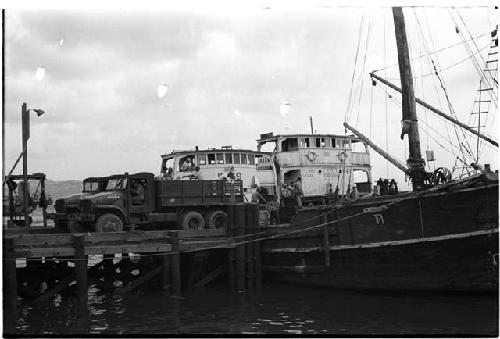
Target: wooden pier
121,262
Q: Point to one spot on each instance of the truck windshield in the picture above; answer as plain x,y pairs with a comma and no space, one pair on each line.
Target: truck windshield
116,184
90,186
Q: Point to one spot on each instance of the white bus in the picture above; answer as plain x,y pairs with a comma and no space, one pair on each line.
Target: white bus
215,163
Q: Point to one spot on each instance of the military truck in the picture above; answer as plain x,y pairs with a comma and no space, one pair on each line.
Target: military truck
141,201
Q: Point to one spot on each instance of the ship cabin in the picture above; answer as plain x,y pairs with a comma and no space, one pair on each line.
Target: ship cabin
215,163
325,163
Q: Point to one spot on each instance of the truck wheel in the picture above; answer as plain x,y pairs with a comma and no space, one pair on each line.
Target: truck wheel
192,220
75,227
216,219
109,222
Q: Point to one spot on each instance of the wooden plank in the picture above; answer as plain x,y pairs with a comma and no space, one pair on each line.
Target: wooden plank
44,252
56,289
294,269
127,248
206,233
193,246
40,240
138,282
210,276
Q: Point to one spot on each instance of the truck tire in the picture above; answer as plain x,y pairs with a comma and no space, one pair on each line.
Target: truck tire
109,222
216,219
192,220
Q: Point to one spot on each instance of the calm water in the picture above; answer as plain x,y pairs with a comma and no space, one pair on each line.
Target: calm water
277,309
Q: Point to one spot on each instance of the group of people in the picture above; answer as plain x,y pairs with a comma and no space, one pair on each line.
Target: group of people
386,187
294,190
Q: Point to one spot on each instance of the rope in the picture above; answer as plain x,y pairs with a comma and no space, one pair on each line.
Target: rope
349,100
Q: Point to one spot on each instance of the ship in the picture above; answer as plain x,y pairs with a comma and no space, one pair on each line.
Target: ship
440,236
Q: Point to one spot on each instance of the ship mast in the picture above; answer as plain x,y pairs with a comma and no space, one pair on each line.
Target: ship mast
409,121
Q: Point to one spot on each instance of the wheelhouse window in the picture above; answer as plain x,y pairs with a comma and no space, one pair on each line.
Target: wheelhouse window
201,159
305,143
229,158
243,158
263,162
187,163
289,144
211,159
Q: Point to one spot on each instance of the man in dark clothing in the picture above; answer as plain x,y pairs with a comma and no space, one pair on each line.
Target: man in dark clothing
298,191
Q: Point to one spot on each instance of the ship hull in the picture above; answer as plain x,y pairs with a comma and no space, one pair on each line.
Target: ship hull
439,240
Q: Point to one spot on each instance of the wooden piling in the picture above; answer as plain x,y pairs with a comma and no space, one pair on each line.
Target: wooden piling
175,265
256,250
165,275
81,265
231,253
250,259
326,240
9,274
240,249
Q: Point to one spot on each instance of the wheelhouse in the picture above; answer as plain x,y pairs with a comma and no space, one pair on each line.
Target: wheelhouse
326,163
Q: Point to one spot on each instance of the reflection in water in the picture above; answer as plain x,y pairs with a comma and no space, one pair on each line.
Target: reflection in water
278,309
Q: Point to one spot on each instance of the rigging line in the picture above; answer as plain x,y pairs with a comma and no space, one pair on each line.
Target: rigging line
476,64
440,145
371,109
467,29
440,135
435,52
452,110
354,70
441,80
367,44
442,69
386,116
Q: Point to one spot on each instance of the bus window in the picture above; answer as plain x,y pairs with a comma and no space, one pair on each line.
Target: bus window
201,159
211,159
243,158
236,158
220,158
251,159
229,158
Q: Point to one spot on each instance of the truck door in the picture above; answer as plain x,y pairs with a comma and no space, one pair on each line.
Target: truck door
140,195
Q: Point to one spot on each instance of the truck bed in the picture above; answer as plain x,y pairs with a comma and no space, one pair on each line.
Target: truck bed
170,193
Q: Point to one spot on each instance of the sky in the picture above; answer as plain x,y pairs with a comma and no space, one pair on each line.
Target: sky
96,74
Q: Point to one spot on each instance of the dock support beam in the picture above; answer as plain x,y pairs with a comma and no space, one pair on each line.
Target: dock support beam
256,249
240,249
250,229
326,240
81,265
9,275
175,265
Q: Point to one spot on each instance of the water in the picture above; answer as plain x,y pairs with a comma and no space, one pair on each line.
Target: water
277,309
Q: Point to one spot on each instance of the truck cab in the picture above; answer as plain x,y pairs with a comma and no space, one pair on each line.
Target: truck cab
107,203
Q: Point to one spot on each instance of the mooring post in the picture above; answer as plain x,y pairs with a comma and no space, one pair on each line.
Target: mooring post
240,220
165,274
175,265
250,229
9,274
81,265
326,240
256,250
230,251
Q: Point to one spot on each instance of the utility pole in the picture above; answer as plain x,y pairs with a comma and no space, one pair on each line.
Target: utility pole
409,121
26,135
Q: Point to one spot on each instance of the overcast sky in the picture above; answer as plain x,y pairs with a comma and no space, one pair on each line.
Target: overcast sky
226,74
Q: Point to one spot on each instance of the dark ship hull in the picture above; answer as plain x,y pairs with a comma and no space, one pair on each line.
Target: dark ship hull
440,239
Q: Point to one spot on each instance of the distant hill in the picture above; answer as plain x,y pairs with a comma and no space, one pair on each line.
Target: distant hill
59,189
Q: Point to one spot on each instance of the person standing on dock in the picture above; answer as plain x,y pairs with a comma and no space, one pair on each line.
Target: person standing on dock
298,191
